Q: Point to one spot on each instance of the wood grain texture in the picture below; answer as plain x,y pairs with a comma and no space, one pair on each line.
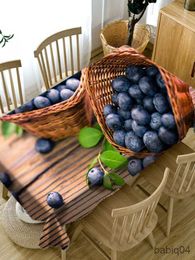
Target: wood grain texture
10,86
63,170
174,47
184,223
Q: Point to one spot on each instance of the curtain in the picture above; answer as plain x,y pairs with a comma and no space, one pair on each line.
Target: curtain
153,11
31,22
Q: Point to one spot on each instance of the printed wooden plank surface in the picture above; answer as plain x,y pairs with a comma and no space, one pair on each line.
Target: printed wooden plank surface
63,170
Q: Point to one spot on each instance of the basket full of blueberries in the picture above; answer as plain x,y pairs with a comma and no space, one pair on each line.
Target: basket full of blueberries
138,107
57,113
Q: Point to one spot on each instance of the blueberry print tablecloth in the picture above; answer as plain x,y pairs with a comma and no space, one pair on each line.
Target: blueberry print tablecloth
63,170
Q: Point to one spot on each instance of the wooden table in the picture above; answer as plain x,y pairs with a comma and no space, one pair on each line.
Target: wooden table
63,170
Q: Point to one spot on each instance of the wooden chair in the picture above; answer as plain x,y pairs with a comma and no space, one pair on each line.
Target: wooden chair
58,57
122,221
181,181
11,95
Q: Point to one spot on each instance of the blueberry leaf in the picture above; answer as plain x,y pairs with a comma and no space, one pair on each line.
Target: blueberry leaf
107,147
8,129
107,182
97,126
113,159
89,137
118,180
19,131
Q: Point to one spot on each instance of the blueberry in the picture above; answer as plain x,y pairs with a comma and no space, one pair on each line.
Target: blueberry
148,160
29,106
155,122
160,103
55,200
134,166
135,92
72,84
41,102
152,71
128,125
140,115
65,94
119,137
147,87
115,98
139,130
95,177
167,136
43,145
109,109
160,83
134,73
124,114
53,95
5,179
113,121
125,102
168,120
152,142
148,104
139,101
133,142
60,87
121,84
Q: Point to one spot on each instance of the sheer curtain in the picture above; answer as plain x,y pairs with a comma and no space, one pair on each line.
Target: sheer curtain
153,11
31,22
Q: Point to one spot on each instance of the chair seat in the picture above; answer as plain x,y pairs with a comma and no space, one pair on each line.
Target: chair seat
99,222
154,173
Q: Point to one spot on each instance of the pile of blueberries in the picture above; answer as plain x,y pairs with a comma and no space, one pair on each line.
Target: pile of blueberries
55,95
141,116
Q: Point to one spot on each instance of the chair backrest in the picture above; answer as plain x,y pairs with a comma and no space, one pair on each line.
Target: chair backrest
59,56
131,222
183,182
11,95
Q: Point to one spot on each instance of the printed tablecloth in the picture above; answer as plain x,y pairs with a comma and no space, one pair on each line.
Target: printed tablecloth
64,171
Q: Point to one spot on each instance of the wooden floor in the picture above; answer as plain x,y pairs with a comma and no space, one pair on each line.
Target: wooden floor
182,235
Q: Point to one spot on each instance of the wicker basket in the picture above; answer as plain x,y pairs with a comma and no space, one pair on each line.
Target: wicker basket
115,35
59,120
98,79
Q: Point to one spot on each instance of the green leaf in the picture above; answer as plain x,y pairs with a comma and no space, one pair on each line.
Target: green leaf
19,131
107,182
97,126
89,137
118,180
113,159
108,147
93,162
8,129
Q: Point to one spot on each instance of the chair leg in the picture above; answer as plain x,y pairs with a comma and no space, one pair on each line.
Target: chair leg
63,254
170,215
113,254
152,240
5,193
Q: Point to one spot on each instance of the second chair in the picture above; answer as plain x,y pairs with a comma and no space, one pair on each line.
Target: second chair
123,221
59,56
